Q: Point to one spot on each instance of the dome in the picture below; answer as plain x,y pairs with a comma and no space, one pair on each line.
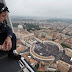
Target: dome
20,26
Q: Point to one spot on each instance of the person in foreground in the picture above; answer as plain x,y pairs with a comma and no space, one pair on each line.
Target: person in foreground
7,37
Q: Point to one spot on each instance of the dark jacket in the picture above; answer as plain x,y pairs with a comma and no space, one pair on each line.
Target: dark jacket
5,31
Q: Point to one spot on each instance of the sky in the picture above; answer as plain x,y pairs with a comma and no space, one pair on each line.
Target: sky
42,8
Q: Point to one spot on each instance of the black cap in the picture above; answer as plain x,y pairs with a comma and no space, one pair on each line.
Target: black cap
3,8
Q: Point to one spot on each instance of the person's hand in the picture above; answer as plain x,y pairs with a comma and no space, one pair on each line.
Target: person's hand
2,47
8,43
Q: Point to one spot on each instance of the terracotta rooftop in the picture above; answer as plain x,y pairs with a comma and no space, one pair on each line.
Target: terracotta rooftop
32,60
25,56
41,69
21,48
